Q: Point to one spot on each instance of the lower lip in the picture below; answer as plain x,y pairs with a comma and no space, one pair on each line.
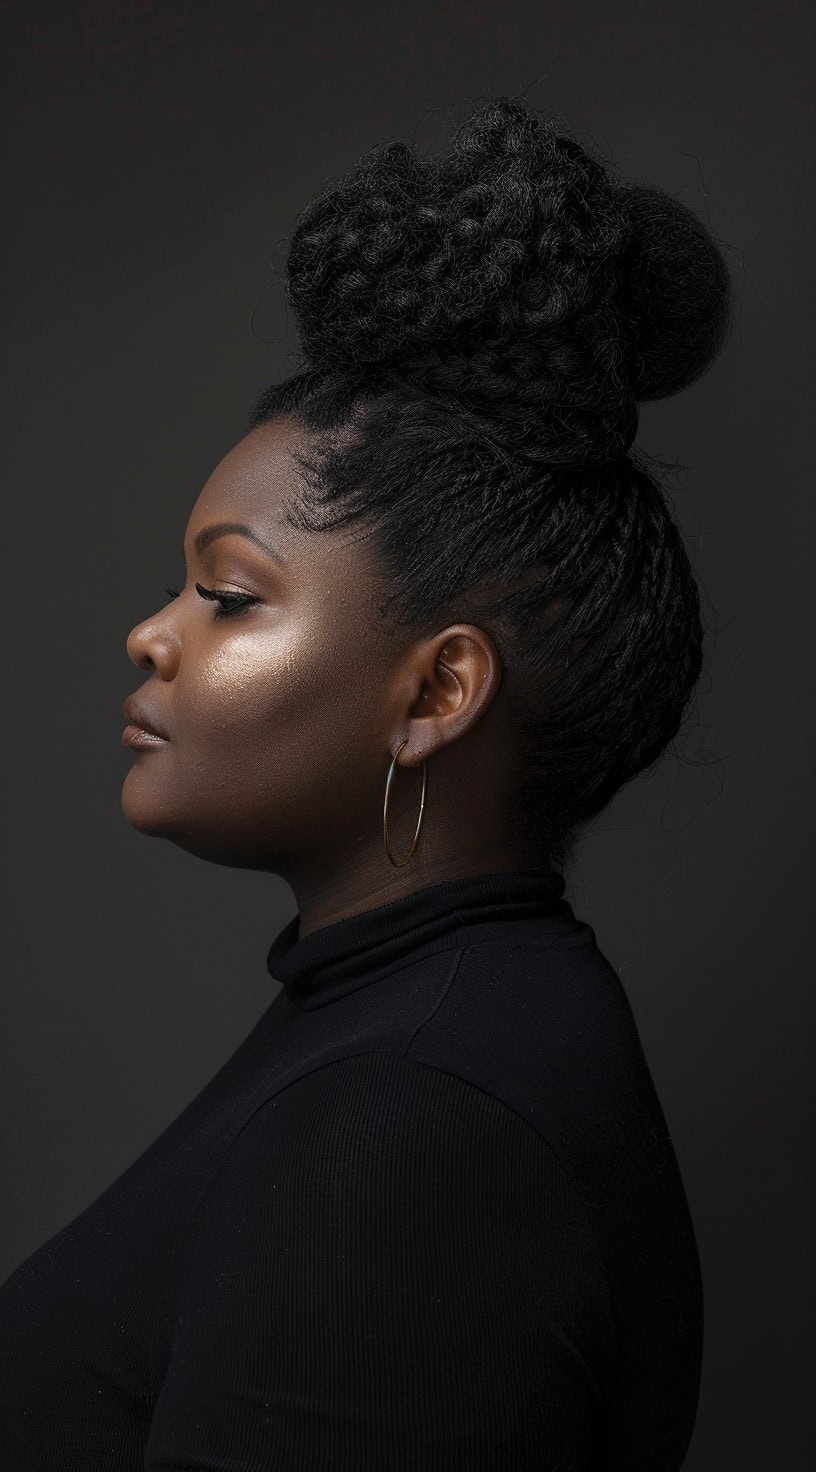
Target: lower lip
141,739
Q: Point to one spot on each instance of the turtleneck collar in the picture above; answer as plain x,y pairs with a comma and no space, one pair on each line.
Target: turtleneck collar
336,959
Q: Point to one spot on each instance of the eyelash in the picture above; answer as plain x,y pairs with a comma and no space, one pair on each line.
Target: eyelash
230,603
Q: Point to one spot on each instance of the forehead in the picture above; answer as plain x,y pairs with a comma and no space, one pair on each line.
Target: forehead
255,483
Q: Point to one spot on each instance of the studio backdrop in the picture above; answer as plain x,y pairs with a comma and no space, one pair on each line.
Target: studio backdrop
155,158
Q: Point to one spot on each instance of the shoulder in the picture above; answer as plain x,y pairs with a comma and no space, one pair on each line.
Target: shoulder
387,1153
389,1246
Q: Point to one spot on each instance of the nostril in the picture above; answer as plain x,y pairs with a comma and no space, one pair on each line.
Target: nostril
137,654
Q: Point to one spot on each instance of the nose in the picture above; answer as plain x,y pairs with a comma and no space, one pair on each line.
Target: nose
154,645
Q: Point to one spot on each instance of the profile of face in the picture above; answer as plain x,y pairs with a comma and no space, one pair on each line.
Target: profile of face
282,713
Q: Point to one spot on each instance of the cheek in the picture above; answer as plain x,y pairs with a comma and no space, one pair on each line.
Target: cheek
269,727
276,705
245,691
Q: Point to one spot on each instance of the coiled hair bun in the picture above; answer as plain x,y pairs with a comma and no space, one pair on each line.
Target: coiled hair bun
513,272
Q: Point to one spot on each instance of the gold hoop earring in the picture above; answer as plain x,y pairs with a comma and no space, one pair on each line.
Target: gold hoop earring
398,863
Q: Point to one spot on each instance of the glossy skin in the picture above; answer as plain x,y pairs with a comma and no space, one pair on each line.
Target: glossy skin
282,719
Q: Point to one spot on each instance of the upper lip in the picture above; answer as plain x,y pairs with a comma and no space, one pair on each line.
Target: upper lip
137,716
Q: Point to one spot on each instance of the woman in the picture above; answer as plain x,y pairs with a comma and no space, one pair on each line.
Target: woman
436,613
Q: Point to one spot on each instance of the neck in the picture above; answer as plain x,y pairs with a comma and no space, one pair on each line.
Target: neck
338,958
324,899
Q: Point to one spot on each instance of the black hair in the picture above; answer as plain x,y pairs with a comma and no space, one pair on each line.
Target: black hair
478,328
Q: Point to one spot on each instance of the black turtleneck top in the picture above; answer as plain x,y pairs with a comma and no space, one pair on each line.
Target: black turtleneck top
428,1215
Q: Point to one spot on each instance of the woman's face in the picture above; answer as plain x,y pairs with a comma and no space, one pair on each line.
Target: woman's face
277,716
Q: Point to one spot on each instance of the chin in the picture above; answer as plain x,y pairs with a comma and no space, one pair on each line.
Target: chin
148,821
146,812
149,818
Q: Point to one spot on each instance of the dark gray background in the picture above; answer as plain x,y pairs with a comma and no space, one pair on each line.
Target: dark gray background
155,156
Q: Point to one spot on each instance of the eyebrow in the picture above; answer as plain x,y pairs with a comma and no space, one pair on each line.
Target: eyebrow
218,529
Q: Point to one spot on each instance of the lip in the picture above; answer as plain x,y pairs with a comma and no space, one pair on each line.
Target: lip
141,731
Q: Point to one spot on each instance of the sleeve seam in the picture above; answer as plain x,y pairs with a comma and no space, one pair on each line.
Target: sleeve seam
421,1063
401,1054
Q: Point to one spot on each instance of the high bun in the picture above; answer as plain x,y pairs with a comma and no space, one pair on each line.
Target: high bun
481,325
514,272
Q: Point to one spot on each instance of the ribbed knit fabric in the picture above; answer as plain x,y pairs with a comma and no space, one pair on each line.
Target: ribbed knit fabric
428,1215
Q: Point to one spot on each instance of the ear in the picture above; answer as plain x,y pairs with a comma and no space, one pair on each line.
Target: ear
449,682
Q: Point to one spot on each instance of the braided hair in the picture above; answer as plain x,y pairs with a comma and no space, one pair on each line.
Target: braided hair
478,329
